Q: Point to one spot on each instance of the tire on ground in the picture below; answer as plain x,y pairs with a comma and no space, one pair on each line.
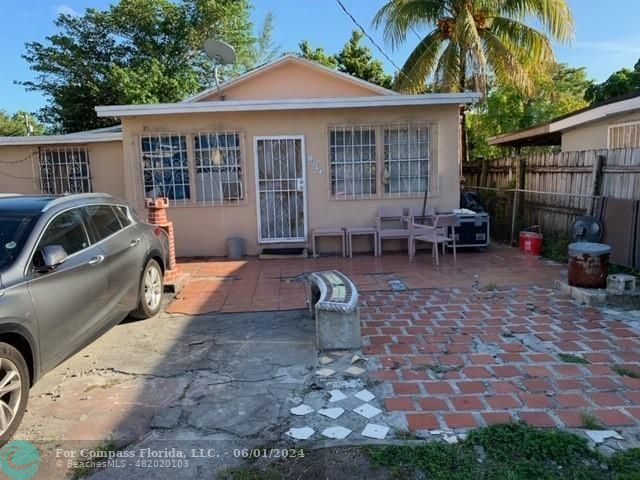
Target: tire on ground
143,310
8,352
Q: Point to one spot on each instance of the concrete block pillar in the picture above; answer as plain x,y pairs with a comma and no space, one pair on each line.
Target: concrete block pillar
157,215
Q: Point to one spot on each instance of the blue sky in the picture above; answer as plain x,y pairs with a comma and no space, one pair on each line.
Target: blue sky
607,34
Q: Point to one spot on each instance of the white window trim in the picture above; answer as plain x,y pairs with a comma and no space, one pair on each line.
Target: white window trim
192,202
66,150
376,147
635,123
433,152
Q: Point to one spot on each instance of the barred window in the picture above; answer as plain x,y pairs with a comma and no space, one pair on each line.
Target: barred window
165,167
625,135
64,170
352,153
406,159
218,167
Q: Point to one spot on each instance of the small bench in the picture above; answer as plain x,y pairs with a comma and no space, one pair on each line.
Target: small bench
333,302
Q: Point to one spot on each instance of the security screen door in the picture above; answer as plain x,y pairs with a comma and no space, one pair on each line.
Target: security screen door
281,188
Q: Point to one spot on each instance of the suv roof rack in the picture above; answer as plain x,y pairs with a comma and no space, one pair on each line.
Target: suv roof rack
69,197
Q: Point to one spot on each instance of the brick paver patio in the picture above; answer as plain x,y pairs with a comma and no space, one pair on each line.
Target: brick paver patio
220,285
465,345
466,357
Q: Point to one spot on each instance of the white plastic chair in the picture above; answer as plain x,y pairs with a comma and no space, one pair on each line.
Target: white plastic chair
441,232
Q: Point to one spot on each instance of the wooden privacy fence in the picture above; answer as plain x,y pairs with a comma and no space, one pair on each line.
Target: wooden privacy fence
551,189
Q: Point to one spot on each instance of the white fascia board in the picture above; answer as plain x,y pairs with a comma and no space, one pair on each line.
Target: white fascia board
288,104
70,139
596,114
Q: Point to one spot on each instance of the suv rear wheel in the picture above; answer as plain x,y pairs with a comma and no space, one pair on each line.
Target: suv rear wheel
151,287
14,390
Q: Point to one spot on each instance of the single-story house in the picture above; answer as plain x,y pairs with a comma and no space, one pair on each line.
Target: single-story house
286,147
607,125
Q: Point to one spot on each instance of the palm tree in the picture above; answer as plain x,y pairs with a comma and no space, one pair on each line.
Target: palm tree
473,39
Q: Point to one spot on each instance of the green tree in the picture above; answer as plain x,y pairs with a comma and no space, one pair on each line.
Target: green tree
471,39
558,91
136,51
317,55
619,83
18,124
357,60
354,59
267,49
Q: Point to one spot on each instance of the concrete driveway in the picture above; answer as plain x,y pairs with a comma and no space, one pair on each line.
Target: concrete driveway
179,377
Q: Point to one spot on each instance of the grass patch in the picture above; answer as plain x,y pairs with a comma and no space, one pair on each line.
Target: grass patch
83,470
556,248
508,452
569,358
626,372
590,421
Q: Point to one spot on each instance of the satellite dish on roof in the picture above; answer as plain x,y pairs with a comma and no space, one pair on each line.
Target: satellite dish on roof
220,53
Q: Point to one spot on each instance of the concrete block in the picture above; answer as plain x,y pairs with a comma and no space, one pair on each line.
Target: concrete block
621,284
338,330
585,296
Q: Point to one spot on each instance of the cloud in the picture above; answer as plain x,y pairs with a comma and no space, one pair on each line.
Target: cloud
65,10
617,47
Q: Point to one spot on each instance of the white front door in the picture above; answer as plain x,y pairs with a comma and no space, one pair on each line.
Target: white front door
281,188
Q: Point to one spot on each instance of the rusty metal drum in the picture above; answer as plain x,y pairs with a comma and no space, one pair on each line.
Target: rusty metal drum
588,264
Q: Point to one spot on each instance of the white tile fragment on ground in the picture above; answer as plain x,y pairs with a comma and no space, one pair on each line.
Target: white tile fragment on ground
324,360
300,433
450,439
331,412
375,431
337,433
357,358
355,371
301,410
325,372
599,436
365,395
367,411
336,396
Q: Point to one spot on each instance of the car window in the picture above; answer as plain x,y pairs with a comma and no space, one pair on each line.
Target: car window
103,219
121,213
68,231
14,231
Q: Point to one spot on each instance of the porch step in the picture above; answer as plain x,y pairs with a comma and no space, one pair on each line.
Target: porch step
270,253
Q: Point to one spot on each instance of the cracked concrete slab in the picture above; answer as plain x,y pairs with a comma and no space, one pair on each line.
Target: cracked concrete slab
225,378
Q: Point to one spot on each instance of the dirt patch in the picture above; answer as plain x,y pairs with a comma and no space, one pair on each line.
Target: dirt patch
327,464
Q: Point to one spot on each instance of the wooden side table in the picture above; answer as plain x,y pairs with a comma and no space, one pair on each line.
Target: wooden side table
327,232
351,231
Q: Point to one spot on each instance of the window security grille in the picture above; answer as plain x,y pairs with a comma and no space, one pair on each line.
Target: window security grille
407,159
165,167
625,135
352,154
64,170
218,167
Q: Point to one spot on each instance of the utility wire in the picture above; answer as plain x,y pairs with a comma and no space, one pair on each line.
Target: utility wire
375,44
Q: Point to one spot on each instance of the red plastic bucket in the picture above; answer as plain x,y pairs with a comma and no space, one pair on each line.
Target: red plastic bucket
531,243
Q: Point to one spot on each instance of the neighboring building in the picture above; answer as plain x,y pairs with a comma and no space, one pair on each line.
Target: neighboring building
611,124
284,148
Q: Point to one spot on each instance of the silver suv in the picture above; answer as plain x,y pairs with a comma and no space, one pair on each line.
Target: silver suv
71,268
